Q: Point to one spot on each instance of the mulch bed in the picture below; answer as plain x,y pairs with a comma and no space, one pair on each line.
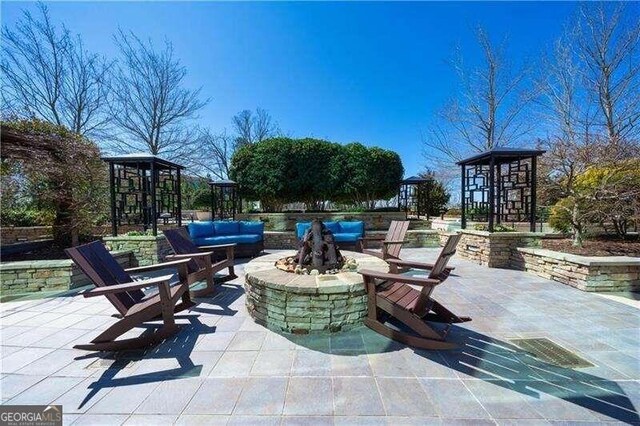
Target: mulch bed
598,246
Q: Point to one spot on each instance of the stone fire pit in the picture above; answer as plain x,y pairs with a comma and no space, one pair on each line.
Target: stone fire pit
300,304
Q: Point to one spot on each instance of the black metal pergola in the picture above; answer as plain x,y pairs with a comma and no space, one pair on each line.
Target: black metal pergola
499,186
224,199
144,188
413,196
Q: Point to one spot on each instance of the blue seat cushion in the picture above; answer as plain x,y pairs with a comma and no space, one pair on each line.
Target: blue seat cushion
226,227
301,228
229,239
200,229
253,227
334,227
346,237
352,227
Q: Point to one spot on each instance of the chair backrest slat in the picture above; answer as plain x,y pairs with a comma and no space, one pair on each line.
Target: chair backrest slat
447,252
181,243
103,270
397,231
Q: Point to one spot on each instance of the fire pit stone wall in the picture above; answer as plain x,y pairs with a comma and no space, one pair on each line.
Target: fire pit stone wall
301,304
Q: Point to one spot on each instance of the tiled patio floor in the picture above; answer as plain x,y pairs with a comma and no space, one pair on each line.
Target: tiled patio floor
225,369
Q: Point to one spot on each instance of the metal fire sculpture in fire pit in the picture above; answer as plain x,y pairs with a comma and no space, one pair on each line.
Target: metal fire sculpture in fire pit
318,254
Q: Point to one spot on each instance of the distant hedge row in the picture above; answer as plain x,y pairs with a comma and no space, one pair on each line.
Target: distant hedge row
283,170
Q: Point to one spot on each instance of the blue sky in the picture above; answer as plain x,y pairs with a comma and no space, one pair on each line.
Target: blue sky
368,72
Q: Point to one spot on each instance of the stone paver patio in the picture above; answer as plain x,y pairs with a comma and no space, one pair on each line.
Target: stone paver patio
225,369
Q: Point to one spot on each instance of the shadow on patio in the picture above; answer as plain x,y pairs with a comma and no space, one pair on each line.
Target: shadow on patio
503,364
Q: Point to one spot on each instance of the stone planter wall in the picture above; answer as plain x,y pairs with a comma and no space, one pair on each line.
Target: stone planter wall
614,273
277,240
496,249
15,234
146,249
47,275
287,221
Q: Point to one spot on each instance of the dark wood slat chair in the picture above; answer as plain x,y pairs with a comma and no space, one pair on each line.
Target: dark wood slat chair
394,296
391,243
202,263
126,295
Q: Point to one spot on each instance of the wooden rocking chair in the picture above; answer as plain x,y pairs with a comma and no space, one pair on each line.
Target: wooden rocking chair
391,243
200,266
394,297
125,294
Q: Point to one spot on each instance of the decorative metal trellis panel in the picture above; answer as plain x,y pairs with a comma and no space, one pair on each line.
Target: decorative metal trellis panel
499,186
132,192
476,195
144,190
224,199
514,191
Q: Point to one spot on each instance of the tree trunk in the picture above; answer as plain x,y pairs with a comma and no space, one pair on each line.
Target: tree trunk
577,227
63,226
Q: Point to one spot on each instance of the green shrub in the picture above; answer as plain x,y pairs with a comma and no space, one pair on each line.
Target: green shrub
283,170
560,216
496,228
26,216
202,200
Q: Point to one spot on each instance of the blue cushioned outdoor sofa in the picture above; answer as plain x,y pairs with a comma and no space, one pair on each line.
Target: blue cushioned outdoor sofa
249,236
345,233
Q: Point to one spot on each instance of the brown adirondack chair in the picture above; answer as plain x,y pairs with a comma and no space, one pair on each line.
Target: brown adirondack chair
391,243
201,264
125,294
395,297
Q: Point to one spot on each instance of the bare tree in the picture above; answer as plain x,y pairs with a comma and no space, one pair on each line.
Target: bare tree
591,106
150,107
213,156
253,127
488,110
48,74
608,39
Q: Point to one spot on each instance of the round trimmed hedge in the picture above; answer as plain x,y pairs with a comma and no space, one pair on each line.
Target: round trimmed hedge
283,170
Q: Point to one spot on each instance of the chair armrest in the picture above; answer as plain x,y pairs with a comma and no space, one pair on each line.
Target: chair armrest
415,265
220,246
158,266
121,288
398,278
190,255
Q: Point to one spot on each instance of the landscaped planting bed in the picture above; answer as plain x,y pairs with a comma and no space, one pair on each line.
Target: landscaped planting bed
588,273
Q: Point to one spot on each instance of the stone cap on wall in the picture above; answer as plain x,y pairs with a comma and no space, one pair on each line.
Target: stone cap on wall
160,236
508,234
49,264
583,260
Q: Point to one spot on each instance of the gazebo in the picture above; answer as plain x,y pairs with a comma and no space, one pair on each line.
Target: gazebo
144,188
499,186
410,197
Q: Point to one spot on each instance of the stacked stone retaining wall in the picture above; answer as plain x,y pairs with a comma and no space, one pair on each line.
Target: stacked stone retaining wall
31,276
602,274
146,249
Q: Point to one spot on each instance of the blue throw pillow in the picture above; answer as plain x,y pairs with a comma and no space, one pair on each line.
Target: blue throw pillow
254,227
200,229
226,227
355,227
334,227
301,228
